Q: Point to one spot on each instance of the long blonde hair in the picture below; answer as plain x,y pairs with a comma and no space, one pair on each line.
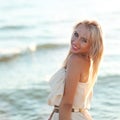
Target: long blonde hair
96,47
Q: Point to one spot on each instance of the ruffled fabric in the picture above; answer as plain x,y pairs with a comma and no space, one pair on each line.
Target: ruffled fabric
57,83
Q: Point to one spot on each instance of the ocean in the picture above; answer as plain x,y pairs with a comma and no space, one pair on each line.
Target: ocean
34,41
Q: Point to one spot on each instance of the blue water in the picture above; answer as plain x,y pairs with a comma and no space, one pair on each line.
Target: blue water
34,40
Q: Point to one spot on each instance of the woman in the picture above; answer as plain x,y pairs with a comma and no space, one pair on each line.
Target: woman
72,86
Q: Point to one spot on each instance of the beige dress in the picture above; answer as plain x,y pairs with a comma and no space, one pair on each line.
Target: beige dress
57,83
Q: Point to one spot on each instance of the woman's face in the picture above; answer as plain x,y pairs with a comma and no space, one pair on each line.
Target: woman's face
80,40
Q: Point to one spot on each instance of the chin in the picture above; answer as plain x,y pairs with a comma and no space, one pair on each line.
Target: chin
74,51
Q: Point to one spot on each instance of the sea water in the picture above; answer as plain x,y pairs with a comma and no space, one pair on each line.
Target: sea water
34,41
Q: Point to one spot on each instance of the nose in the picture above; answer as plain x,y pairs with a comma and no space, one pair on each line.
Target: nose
75,41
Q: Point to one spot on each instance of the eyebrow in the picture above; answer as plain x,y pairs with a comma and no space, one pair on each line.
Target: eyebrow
84,38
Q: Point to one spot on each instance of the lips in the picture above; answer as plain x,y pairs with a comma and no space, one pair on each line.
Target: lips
74,47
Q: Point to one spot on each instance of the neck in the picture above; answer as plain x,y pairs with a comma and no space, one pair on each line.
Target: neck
85,56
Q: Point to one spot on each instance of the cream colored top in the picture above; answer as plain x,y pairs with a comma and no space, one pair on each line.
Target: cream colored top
57,83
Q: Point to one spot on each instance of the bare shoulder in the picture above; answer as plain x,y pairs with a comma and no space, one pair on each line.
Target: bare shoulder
73,76
74,59
79,62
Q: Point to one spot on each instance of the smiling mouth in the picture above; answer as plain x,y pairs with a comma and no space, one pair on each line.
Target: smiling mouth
74,47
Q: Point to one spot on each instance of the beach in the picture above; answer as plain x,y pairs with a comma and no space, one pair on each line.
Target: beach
34,41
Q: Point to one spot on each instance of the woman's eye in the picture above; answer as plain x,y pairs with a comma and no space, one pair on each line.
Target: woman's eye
84,40
76,34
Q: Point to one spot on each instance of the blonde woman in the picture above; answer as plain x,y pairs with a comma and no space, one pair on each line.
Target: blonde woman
72,85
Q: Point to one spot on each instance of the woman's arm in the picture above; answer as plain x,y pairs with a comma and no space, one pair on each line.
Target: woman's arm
73,73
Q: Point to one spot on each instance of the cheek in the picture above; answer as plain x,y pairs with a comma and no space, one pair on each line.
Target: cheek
85,46
72,40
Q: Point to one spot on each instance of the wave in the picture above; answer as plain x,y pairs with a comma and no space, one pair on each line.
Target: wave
51,46
7,54
14,27
109,77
